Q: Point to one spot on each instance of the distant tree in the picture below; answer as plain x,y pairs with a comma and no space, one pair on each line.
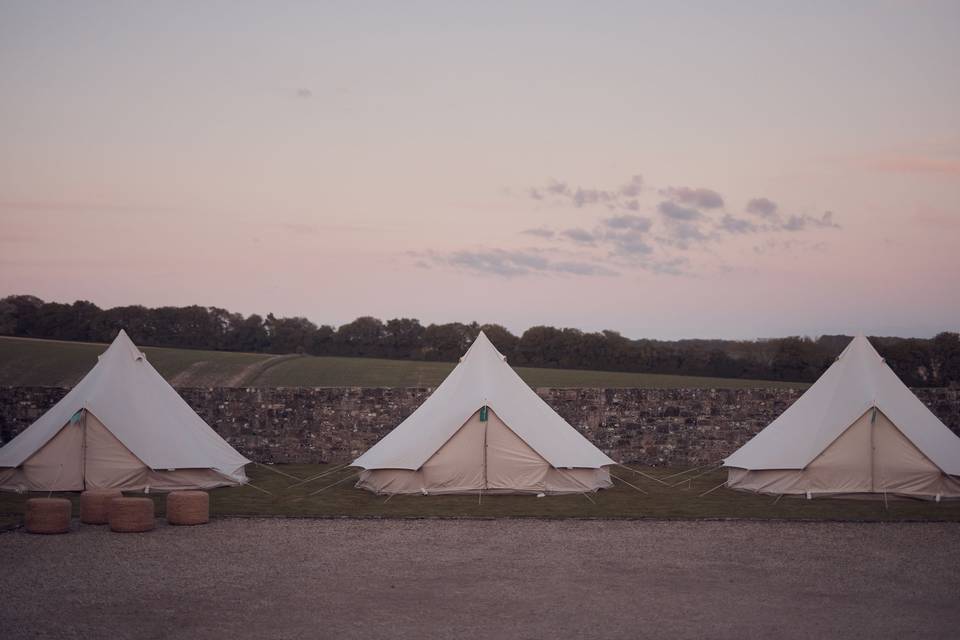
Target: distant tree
362,337
402,338
918,362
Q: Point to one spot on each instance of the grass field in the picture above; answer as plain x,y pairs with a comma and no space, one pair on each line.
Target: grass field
658,501
28,362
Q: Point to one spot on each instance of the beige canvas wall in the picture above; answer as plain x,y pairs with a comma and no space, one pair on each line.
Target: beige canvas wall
488,457
871,456
86,455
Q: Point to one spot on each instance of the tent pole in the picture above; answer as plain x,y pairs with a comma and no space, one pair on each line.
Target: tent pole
83,451
873,452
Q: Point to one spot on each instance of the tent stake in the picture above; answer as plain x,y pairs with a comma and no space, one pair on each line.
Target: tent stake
778,499
627,483
712,490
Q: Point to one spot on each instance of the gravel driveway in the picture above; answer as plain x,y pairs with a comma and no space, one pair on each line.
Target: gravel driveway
250,578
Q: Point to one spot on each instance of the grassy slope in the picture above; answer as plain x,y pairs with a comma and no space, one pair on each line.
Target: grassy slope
26,362
622,501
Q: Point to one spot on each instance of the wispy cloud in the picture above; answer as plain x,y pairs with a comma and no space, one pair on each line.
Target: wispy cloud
512,263
801,222
637,223
623,197
673,211
733,224
579,236
700,197
763,207
540,232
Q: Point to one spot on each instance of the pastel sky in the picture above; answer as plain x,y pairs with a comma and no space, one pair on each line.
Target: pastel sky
731,170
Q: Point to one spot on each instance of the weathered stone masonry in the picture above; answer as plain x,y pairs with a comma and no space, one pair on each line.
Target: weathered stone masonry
649,426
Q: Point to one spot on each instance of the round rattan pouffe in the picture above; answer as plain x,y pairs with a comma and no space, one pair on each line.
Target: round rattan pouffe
95,505
48,515
131,515
188,507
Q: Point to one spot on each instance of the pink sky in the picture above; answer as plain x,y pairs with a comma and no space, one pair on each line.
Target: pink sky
564,165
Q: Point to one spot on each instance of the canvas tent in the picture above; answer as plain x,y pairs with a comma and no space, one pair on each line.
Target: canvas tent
857,430
122,426
483,430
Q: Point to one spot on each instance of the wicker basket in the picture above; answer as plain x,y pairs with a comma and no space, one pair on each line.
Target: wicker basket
48,515
95,505
131,515
188,507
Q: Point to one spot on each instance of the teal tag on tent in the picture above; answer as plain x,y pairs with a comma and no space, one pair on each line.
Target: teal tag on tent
75,418
483,414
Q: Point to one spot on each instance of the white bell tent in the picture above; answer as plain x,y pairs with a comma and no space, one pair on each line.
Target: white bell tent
857,430
483,430
122,426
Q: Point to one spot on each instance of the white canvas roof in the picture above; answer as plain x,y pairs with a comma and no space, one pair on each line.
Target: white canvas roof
483,378
859,380
141,410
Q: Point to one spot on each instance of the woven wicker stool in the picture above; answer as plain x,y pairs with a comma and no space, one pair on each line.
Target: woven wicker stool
95,505
188,507
48,515
131,515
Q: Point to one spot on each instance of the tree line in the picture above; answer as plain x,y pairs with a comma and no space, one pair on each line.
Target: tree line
918,361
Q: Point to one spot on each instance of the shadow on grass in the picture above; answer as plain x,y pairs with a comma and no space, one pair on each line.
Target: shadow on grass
659,501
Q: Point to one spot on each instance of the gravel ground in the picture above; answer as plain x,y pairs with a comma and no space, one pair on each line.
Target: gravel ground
251,578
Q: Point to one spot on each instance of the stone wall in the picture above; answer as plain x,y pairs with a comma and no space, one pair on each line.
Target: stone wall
650,426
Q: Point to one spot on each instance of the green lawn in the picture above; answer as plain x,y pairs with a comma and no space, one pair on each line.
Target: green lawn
659,501
27,362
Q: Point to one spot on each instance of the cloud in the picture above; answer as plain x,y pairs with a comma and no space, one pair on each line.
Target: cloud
701,198
681,234
623,197
802,222
501,262
590,196
540,232
304,94
737,225
630,243
580,236
627,221
674,211
763,207
673,266
633,187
